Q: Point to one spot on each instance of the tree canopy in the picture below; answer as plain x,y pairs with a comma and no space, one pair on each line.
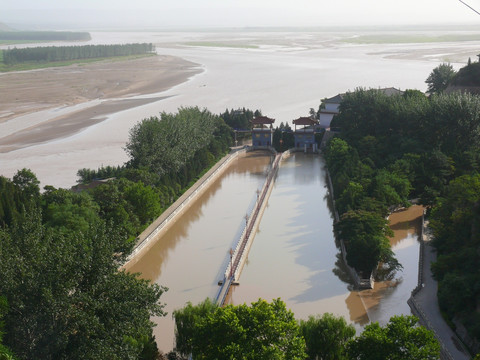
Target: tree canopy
260,331
268,331
400,339
440,78
59,265
326,336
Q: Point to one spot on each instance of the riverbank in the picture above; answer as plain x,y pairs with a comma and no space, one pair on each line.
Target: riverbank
56,121
102,88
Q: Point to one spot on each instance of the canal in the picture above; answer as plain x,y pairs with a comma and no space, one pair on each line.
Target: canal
293,257
191,256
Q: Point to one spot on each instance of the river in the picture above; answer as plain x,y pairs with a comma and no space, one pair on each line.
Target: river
282,73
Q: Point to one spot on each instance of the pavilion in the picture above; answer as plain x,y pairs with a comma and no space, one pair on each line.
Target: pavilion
305,136
262,133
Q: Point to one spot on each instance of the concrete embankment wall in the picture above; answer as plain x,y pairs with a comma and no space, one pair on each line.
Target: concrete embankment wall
168,217
239,255
267,188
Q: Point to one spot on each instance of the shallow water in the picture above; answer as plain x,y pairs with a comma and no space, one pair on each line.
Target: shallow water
284,74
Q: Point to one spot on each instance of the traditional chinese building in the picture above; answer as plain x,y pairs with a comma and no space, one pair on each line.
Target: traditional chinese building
305,136
262,131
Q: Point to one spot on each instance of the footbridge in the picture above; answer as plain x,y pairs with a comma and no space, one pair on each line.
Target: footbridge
239,254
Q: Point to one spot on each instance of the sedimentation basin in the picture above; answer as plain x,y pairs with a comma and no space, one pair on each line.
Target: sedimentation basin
293,256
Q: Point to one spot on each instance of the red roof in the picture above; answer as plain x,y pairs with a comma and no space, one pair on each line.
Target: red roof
305,121
262,120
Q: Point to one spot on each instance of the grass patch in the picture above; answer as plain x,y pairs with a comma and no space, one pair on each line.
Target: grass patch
33,65
413,38
220,44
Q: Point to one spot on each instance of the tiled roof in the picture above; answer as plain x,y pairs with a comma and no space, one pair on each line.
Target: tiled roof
305,121
262,120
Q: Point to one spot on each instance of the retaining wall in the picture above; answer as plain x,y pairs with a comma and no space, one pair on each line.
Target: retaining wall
163,222
240,252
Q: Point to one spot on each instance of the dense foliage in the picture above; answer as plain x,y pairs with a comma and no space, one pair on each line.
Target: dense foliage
59,263
400,147
326,336
166,156
60,250
268,331
283,137
456,225
240,119
164,145
440,78
66,53
5,352
400,339
468,75
44,35
260,331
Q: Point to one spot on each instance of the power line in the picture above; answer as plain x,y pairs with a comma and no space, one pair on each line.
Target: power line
471,8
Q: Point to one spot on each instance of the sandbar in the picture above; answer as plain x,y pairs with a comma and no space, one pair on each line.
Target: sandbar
111,81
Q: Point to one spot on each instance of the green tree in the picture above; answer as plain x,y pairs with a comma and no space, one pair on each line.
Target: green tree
185,321
365,234
26,180
260,331
400,339
66,297
5,353
165,145
68,211
326,336
440,78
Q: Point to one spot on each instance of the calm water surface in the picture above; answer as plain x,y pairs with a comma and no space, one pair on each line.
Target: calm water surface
294,255
189,258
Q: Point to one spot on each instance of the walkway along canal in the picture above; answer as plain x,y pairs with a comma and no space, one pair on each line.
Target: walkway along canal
239,254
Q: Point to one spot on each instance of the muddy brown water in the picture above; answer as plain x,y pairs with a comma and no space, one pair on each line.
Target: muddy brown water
293,257
191,255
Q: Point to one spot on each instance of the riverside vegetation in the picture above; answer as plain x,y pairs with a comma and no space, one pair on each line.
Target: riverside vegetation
412,146
62,295
47,56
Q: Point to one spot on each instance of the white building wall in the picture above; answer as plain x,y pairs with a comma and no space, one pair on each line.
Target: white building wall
331,107
325,120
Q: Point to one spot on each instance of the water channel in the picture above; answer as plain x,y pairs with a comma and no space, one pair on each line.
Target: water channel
293,256
192,254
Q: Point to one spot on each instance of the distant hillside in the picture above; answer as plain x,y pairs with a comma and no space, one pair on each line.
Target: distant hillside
467,79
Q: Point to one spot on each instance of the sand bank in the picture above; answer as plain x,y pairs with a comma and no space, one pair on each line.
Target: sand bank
109,81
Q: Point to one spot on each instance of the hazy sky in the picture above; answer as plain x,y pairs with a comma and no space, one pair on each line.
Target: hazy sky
235,13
